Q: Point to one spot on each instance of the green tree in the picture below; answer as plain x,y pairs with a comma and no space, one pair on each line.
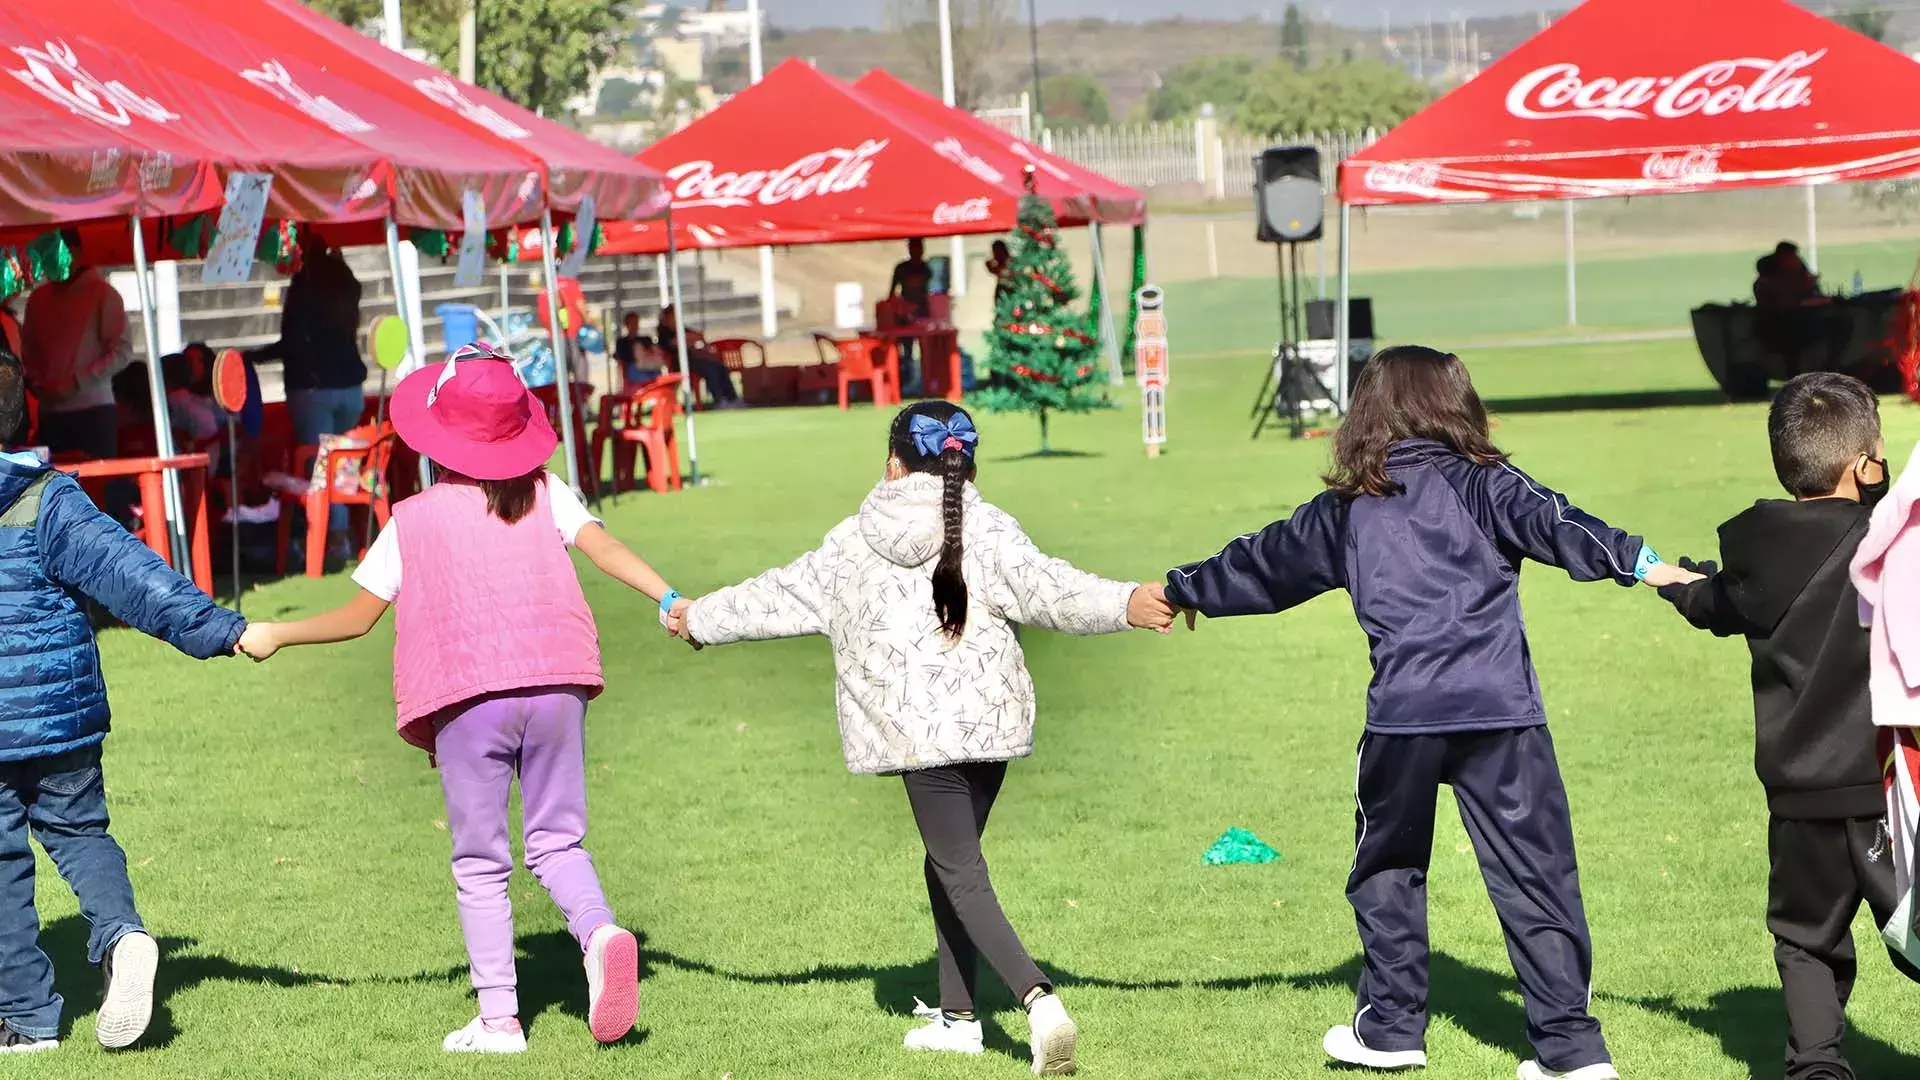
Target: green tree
1862,19
1293,38
981,36
1349,96
1042,356
1219,80
537,53
1073,100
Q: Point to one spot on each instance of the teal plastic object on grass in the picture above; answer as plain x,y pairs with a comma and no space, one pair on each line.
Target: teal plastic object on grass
1237,845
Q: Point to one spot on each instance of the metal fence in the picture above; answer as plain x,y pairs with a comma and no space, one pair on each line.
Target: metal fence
1208,160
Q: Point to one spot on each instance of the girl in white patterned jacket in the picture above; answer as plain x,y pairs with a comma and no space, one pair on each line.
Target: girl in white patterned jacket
919,593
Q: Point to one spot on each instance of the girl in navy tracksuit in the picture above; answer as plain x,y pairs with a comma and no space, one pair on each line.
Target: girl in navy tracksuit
1425,524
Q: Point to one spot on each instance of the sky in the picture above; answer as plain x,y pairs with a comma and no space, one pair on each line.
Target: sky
810,13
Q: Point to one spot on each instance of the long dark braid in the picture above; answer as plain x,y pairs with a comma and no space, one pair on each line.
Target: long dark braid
955,469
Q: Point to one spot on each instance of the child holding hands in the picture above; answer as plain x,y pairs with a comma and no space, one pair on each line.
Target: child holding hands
919,594
1425,524
495,658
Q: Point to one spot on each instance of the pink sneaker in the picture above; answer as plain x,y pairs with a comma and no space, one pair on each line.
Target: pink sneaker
613,983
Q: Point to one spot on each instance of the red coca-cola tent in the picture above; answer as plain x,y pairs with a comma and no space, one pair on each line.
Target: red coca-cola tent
1080,195
802,158
1644,97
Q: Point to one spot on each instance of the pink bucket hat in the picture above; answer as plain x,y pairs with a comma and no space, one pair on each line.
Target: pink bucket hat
473,415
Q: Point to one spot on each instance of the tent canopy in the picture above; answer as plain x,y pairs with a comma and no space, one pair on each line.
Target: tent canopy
802,158
1641,97
1079,194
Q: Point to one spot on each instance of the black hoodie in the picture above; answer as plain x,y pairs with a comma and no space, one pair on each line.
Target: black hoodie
1784,585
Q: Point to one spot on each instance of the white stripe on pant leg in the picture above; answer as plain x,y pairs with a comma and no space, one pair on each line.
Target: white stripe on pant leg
1361,809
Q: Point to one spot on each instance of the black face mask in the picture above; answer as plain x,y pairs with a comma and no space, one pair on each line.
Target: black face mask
1873,493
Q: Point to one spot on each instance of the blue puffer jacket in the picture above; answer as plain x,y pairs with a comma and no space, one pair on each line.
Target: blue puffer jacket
55,548
1433,572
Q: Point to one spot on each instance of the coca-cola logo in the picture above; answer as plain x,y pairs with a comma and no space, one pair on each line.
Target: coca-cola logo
1690,166
56,74
824,172
955,151
273,77
966,213
1744,84
445,92
1411,178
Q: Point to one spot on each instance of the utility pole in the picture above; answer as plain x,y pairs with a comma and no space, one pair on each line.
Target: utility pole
957,257
1033,51
393,36
469,41
769,303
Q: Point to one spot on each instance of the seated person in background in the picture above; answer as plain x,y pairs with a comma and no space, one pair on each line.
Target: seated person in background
1787,296
188,375
639,360
1784,280
702,362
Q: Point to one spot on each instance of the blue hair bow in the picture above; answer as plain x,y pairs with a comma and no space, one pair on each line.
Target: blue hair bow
931,437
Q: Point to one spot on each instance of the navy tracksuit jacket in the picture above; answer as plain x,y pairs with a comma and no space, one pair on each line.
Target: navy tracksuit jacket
1433,571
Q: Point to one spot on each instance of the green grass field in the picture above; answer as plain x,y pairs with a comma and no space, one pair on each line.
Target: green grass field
1479,303
290,850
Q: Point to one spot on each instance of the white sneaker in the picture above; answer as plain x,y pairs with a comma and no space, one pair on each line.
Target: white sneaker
12,1042
478,1038
128,1004
1533,1070
613,983
941,1032
1343,1044
1052,1036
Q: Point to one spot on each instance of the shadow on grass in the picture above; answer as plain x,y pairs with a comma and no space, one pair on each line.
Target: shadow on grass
1481,1002
1648,399
1047,455
65,943
1751,1024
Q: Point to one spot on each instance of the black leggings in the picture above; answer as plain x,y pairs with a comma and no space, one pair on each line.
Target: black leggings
950,805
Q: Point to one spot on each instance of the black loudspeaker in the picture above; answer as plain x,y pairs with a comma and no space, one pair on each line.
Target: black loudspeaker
1321,316
1288,201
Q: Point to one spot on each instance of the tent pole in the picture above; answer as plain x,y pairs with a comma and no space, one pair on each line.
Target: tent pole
1813,232
400,309
660,279
562,356
173,506
1114,375
680,344
1573,302
1342,332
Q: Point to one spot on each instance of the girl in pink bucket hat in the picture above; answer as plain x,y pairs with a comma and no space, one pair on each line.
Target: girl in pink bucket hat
493,668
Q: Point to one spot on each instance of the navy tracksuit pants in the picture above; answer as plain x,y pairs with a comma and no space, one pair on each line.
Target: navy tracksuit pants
1514,806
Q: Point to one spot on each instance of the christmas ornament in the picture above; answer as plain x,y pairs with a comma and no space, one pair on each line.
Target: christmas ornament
48,258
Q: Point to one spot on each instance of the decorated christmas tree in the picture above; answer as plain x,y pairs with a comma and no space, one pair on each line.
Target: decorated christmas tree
1042,356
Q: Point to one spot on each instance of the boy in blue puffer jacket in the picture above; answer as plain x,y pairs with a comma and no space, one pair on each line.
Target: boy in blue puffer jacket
57,550
1425,524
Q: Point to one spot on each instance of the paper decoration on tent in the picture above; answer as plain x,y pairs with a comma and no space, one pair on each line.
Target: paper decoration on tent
230,259
48,258
389,341
191,238
429,242
583,230
472,268
13,272
1237,845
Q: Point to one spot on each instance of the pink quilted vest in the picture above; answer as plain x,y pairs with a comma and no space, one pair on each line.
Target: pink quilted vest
484,607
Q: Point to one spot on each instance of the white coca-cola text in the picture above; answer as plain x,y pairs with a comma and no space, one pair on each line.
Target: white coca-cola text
1743,84
824,172
1682,166
1410,178
963,213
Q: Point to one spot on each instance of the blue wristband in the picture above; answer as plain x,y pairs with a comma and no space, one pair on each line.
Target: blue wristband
1645,563
667,601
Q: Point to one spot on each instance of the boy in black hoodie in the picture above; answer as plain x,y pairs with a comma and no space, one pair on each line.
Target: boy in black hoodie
1784,586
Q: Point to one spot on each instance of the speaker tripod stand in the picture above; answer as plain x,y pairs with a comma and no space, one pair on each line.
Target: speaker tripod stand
1292,383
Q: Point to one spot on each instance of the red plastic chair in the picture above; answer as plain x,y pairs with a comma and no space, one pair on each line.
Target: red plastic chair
649,428
372,458
858,360
549,396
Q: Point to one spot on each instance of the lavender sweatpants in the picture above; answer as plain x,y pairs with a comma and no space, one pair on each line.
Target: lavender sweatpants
540,734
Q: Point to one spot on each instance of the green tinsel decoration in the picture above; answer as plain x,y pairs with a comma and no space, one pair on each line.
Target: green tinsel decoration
48,258
565,244
191,239
599,237
268,248
1133,297
431,242
13,272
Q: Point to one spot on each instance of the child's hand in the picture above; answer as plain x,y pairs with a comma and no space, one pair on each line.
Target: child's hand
1665,574
257,642
677,622
1147,609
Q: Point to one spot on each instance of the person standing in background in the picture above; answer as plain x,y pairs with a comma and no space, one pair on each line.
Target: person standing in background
913,285
74,342
319,348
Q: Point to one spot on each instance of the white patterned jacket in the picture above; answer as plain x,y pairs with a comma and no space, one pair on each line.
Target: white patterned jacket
908,696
